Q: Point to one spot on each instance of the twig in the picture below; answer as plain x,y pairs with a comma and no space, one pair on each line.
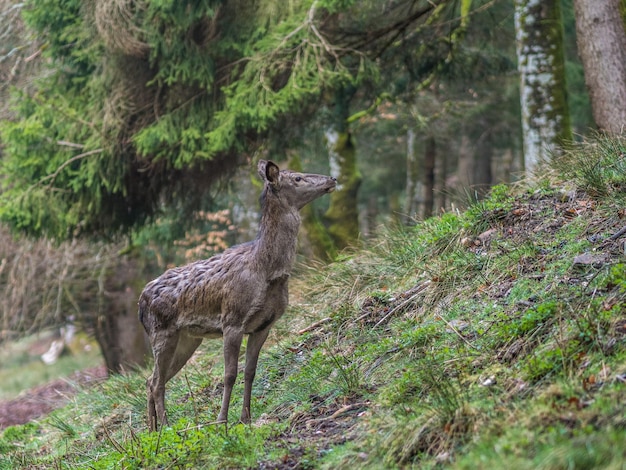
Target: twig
416,292
70,144
314,325
339,412
34,55
193,399
617,234
113,441
451,326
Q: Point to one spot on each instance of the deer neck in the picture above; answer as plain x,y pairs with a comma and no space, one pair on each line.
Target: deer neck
277,239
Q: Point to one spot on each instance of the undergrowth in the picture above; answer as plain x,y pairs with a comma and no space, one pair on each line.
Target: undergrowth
471,340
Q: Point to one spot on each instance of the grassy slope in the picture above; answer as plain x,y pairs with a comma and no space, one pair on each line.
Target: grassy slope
468,341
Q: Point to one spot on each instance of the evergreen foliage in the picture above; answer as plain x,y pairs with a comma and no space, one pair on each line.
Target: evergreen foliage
146,104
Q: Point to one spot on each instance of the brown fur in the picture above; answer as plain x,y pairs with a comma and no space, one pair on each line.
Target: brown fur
241,291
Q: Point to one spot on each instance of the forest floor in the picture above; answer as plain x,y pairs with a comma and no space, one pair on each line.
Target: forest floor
41,400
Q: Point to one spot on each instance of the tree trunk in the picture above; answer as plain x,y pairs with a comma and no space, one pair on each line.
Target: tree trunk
482,164
465,165
412,174
320,243
602,47
119,333
545,117
342,215
429,177
440,193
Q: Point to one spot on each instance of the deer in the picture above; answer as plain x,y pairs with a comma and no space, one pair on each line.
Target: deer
241,291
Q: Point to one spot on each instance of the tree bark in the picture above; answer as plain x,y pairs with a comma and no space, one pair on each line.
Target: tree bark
545,116
320,243
342,214
440,192
412,174
120,335
483,176
429,177
602,48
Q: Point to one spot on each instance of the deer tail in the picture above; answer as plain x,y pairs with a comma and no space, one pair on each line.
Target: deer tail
143,305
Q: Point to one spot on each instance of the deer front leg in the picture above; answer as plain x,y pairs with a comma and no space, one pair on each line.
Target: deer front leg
255,342
232,345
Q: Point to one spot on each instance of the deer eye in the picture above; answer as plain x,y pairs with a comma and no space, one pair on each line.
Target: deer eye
298,179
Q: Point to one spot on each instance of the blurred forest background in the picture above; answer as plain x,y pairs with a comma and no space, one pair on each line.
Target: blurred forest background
130,130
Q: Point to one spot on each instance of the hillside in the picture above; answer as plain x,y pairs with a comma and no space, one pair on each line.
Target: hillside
494,335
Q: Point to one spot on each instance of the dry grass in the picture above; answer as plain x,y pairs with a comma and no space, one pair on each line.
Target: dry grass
44,284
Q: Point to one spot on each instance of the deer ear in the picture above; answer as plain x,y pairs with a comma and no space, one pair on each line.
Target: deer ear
261,168
272,173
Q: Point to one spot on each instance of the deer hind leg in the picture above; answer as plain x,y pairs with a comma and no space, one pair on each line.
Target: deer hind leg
170,355
255,342
163,348
185,348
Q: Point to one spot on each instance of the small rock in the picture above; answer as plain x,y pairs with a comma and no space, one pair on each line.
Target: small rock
486,236
458,325
467,242
590,259
489,381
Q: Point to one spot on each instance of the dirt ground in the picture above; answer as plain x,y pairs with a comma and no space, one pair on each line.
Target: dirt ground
39,401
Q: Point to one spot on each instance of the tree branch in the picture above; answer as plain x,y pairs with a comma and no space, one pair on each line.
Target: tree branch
56,172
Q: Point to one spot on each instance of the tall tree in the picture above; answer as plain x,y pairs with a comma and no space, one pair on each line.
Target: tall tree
412,172
602,47
545,118
321,244
342,214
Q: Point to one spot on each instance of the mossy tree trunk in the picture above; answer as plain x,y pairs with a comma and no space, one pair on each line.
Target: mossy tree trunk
317,235
342,214
545,117
412,174
120,335
428,177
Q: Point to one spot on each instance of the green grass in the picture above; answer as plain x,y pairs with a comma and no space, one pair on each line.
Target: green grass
434,352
